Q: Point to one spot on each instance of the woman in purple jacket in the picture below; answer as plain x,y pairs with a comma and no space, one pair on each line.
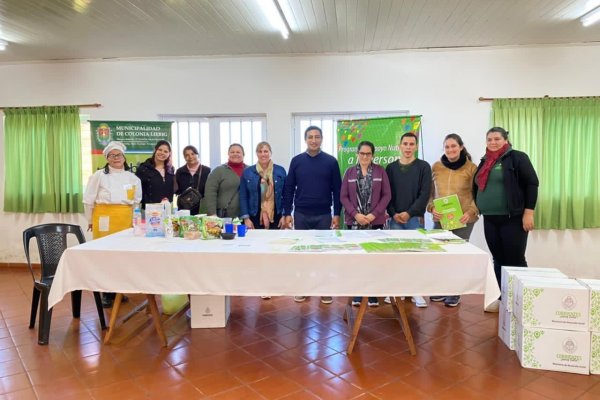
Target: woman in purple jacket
365,195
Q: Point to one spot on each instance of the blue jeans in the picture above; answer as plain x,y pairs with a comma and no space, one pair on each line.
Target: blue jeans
319,222
412,224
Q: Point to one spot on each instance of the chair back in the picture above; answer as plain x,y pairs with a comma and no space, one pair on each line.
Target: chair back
52,242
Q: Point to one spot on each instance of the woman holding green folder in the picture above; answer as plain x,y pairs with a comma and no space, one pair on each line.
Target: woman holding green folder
453,174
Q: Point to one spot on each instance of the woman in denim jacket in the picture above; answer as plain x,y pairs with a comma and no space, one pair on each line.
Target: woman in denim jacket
261,192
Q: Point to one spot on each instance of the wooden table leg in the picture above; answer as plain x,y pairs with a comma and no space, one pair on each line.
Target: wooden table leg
156,318
400,311
354,323
113,317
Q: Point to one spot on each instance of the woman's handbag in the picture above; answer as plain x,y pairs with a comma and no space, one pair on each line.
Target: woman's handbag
191,197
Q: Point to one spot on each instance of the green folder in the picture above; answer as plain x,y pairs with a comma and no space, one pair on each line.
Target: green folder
449,207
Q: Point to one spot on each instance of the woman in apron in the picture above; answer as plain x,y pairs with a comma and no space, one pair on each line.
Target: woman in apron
109,198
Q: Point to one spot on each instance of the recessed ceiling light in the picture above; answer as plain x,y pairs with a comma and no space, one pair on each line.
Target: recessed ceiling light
275,16
591,17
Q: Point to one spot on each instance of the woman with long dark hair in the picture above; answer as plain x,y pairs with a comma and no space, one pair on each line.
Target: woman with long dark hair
453,174
157,175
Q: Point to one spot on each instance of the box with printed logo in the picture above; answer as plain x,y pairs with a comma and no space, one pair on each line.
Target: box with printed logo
553,349
594,286
507,327
595,353
552,303
210,311
508,277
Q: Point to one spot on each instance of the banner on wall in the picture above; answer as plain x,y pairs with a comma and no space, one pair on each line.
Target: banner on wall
384,133
139,137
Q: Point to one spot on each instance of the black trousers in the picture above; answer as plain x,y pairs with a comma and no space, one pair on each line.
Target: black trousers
506,240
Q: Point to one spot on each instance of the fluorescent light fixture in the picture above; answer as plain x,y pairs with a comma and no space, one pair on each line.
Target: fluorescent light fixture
275,16
3,44
591,17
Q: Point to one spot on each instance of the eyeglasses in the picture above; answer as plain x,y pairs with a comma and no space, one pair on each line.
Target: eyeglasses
360,153
115,156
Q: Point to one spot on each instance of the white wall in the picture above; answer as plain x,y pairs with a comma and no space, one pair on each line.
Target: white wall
443,86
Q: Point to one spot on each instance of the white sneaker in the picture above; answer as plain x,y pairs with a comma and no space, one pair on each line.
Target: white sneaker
299,299
356,303
419,301
265,297
493,306
387,300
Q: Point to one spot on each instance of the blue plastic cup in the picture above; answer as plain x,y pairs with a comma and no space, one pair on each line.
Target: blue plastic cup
241,230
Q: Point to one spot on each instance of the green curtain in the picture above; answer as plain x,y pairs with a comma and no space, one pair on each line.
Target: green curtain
42,155
562,138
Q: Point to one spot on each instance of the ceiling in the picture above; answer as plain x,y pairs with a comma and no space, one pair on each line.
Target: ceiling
41,30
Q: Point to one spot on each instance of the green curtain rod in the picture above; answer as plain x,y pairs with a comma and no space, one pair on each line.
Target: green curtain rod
94,105
545,97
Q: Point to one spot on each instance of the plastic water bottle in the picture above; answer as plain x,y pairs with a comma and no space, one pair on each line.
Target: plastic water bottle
137,222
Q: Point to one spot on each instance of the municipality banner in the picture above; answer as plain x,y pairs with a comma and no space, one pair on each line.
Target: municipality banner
384,133
139,137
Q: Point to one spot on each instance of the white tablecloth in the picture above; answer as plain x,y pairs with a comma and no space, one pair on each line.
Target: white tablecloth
262,263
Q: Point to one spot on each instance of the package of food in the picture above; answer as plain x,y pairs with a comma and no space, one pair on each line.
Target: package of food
154,220
175,224
189,227
168,226
211,227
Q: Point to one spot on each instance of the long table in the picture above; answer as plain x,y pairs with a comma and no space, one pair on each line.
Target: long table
263,262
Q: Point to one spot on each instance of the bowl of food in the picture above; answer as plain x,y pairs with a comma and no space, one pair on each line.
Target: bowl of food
227,236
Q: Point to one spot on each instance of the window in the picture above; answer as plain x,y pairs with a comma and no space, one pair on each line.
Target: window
212,135
328,123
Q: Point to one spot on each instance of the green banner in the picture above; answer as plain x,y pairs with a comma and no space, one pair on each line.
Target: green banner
139,137
384,133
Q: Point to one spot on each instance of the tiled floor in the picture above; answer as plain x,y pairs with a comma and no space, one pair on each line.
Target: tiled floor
273,349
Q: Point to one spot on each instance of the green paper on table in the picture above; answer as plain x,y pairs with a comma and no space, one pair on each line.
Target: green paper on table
401,246
451,211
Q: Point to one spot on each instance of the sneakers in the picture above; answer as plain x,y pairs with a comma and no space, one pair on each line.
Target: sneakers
324,299
373,302
493,307
452,301
387,300
437,298
356,303
419,301
265,297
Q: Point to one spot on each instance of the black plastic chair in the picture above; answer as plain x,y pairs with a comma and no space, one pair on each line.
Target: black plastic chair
52,242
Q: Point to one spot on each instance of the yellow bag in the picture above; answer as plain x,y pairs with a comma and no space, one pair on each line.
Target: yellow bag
171,303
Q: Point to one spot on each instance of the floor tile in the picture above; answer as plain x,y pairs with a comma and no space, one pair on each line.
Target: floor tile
274,349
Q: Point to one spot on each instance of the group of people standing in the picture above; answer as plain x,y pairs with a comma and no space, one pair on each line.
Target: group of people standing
503,188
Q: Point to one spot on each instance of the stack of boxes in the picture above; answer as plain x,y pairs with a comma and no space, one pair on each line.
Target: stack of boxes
507,324
544,317
594,324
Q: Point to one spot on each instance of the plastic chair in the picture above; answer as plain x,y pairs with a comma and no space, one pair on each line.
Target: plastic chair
52,242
